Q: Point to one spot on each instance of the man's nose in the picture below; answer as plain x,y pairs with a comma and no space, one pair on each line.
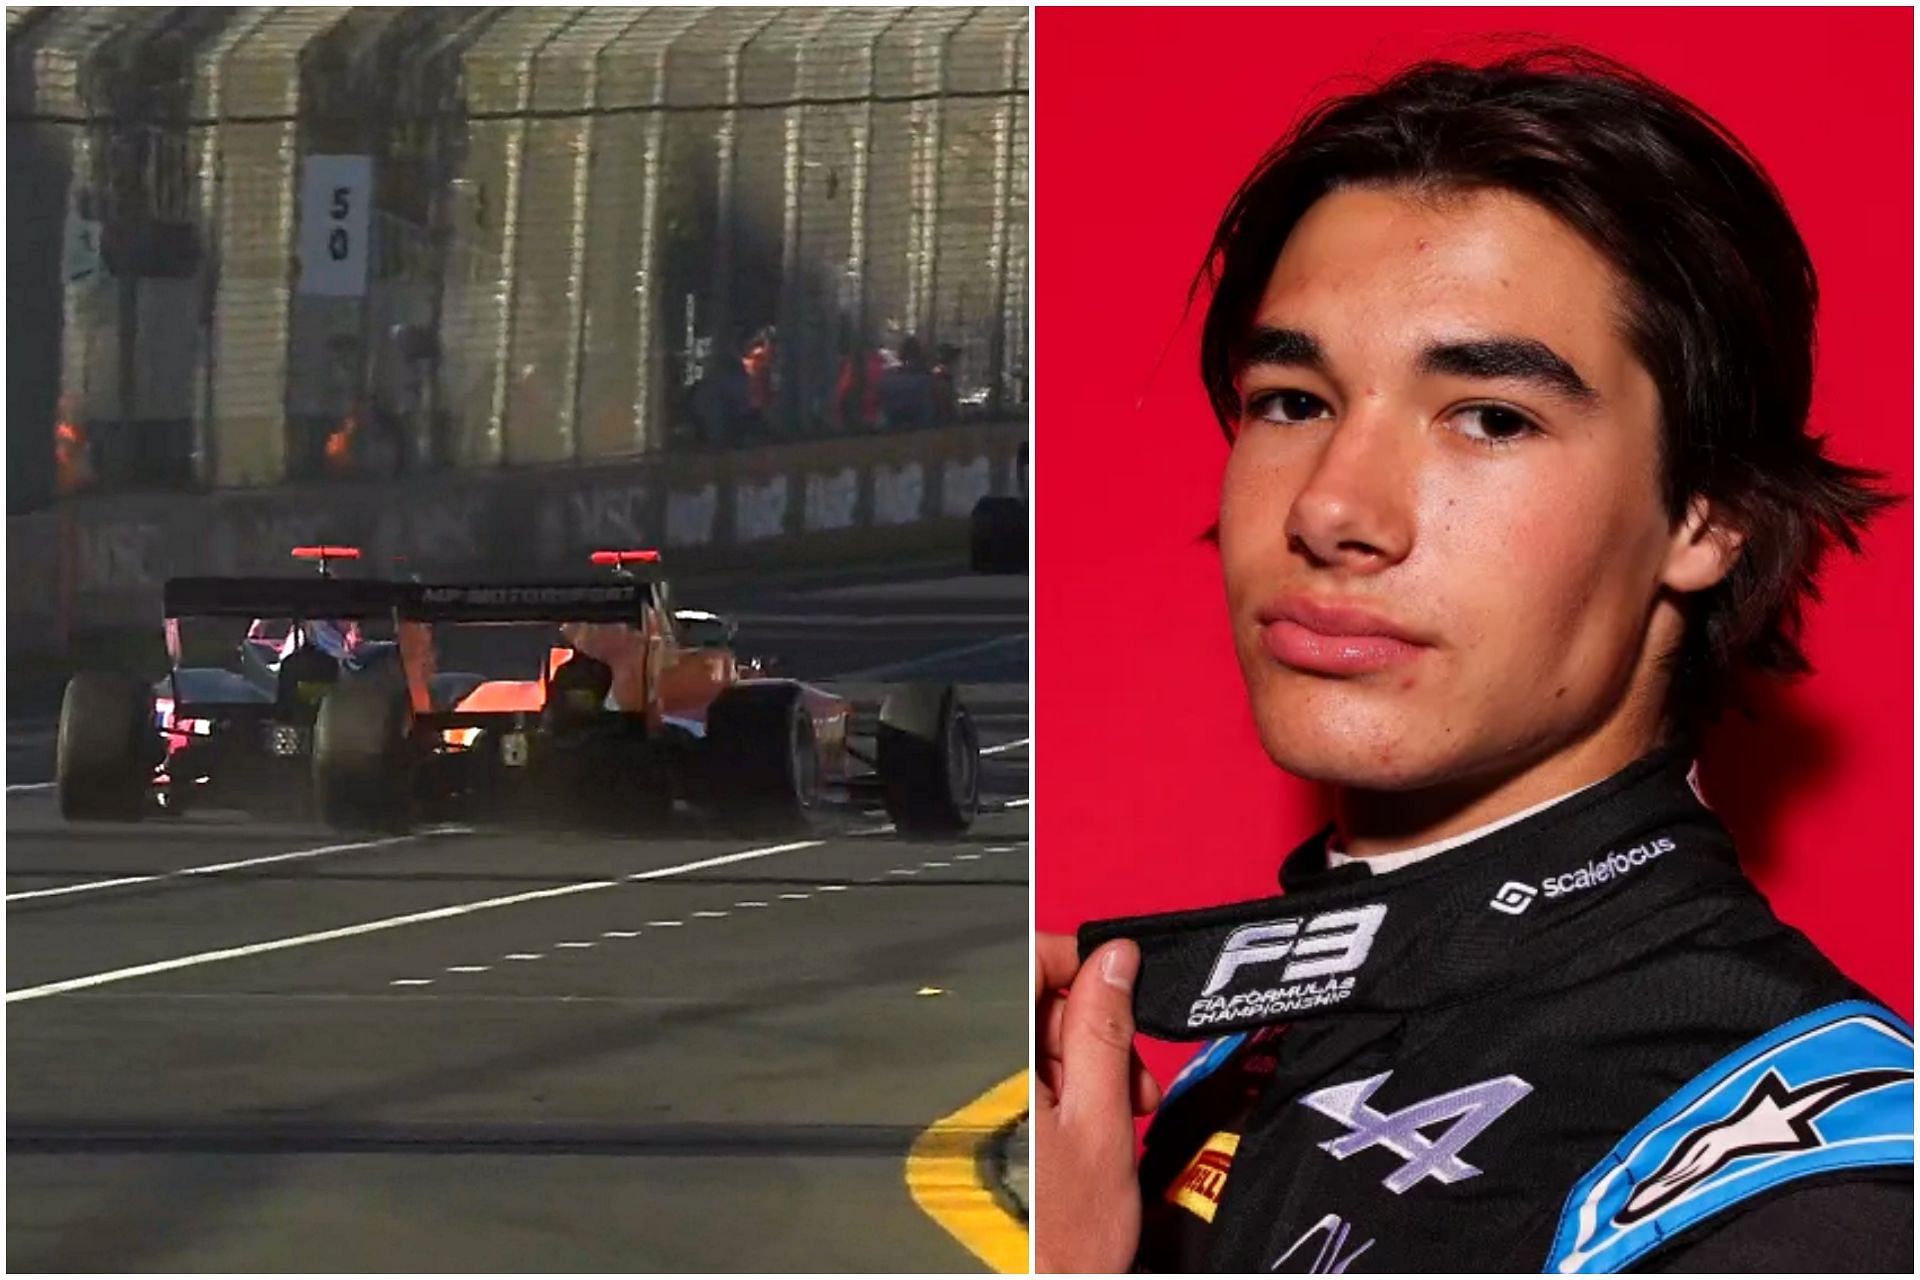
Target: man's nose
1356,511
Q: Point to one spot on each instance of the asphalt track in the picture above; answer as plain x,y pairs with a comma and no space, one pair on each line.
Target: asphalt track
693,1052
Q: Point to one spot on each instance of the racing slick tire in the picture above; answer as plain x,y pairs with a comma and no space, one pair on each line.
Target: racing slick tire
362,757
999,535
763,761
929,761
106,748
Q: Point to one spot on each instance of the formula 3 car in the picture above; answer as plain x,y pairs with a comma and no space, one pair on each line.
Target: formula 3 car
620,706
237,734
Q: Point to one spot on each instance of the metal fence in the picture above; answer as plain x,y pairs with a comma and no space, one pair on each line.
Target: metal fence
257,244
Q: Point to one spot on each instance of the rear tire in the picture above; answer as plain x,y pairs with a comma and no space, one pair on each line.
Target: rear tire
763,762
107,748
363,760
929,761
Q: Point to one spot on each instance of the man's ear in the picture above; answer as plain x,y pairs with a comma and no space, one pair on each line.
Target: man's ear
1705,547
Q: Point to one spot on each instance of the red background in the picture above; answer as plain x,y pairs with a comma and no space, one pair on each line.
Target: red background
1154,792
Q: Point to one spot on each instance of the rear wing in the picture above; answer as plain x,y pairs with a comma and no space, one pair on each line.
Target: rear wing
309,597
616,601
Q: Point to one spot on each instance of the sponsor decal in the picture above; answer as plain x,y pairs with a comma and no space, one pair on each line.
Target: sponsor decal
1199,1185
1470,1109
1829,1091
490,596
1515,897
1771,1119
1317,951
1332,1258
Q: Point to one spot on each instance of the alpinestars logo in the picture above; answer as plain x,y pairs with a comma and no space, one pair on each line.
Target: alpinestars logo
1323,946
1771,1119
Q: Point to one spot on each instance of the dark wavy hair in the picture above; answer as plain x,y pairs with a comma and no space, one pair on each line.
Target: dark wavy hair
1721,297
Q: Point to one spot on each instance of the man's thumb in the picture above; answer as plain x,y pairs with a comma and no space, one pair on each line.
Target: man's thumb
1097,1041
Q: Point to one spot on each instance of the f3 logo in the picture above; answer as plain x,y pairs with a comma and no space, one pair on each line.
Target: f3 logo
1335,942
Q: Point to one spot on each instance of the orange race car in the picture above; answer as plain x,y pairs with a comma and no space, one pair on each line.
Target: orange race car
596,700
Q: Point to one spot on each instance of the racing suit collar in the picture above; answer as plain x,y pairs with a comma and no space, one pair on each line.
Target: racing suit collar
1521,902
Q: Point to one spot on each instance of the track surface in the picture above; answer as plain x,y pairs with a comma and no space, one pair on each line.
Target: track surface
721,1065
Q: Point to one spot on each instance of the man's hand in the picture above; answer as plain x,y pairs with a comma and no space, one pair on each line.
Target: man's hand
1089,1084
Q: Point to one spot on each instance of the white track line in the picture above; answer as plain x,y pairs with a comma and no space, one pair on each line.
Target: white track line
468,968
795,897
15,788
1005,746
665,924
411,982
524,955
621,933
893,669
576,946
217,867
749,904
709,915
1021,803
376,926
831,888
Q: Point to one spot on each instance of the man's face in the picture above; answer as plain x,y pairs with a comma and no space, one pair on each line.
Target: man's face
1441,527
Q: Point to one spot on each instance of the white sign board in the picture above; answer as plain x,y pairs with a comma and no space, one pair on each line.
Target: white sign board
336,207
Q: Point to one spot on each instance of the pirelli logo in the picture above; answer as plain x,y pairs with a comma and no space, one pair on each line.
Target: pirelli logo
1200,1184
485,597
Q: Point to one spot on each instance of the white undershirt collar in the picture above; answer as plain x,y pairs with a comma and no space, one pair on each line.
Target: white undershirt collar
1381,863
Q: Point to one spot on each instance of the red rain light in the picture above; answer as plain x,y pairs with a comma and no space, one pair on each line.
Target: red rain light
644,556
326,553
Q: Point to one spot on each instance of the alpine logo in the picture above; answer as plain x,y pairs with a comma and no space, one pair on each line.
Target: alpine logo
1771,1119
1325,947
1514,897
1471,1110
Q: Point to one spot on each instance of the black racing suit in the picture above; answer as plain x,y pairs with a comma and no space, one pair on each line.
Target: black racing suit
1579,1043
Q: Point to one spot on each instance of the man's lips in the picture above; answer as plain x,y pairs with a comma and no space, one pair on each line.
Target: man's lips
1335,639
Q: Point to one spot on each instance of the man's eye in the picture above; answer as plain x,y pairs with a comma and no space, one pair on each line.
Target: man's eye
1492,424
1287,407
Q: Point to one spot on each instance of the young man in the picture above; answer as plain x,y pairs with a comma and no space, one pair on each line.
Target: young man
1517,362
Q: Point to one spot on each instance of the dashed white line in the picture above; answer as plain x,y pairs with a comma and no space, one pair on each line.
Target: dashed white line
1004,746
576,946
936,864
904,871
217,867
1000,848
831,888
1021,803
523,955
14,788
795,897
411,982
966,857
749,904
708,915
468,968
375,926
621,933
665,924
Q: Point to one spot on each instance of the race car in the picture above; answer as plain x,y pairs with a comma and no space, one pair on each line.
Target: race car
237,734
611,707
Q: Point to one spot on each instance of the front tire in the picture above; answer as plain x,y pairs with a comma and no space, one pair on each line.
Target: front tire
106,749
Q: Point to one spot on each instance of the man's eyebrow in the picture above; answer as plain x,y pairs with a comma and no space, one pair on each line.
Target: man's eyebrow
1292,347
1520,359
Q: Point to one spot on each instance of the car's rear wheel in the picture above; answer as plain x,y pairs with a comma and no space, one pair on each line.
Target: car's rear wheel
363,762
106,749
763,761
929,761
